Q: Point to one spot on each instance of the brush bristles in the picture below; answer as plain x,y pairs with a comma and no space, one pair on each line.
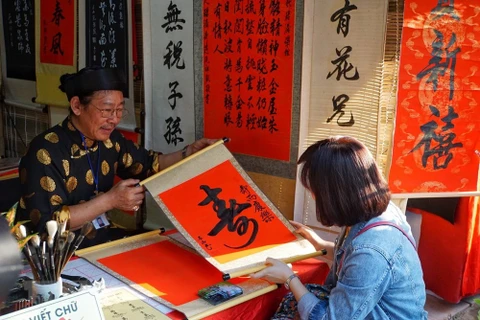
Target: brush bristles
35,241
71,237
86,228
52,227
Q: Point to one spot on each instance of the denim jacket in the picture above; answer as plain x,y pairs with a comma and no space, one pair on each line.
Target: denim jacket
379,276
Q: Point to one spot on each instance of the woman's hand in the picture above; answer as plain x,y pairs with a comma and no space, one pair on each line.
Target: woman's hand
310,235
127,195
276,272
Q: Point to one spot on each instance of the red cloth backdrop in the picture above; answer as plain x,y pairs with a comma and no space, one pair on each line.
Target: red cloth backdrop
248,75
437,126
450,253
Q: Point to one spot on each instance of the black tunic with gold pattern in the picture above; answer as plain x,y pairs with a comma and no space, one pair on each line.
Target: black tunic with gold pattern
56,171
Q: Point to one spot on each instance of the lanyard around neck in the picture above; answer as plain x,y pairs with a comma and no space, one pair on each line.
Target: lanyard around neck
95,173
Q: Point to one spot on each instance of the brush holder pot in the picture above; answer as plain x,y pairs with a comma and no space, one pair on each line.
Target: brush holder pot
46,291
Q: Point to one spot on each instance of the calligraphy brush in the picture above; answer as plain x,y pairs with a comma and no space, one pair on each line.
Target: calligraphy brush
35,240
22,234
63,257
52,257
61,241
86,229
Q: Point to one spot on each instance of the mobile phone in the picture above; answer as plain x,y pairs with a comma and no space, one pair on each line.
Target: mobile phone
220,292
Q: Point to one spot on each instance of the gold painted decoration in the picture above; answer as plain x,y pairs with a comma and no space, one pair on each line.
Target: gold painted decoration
105,168
136,168
89,142
66,167
44,157
22,203
56,200
117,146
23,175
108,143
47,183
89,177
127,160
71,184
35,216
74,149
52,137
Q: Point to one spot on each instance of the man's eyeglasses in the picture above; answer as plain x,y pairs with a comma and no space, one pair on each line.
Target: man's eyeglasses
110,113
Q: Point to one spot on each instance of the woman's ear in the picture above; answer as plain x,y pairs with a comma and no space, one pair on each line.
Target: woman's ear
76,106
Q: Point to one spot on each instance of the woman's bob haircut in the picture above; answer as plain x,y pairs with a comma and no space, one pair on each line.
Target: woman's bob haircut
344,180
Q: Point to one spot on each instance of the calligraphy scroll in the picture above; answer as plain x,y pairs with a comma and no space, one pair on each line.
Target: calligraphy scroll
105,40
248,72
56,34
437,124
342,77
220,211
18,50
169,74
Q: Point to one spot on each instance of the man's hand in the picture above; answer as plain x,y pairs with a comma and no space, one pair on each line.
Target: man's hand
127,195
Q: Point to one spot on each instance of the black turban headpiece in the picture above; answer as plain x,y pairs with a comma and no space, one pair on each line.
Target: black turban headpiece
91,79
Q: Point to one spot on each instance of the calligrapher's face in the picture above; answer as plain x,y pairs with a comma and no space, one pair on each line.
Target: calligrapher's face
95,125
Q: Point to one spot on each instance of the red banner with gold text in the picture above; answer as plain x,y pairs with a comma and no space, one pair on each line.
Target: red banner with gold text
437,120
248,75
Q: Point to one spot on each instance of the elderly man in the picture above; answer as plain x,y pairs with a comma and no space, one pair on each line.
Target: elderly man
74,163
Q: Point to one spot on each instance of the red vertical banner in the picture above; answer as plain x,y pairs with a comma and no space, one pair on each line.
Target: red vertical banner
248,74
57,32
437,121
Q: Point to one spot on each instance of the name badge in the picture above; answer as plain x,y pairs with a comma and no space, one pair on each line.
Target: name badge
101,221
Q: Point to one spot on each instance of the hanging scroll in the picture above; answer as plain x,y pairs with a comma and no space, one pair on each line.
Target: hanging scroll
56,35
437,124
169,74
106,41
17,50
248,73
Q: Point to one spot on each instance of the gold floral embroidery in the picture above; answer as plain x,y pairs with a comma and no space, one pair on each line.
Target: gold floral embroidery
56,200
117,146
52,137
22,203
48,184
108,143
105,167
66,167
156,164
71,127
23,175
136,168
71,184
88,142
89,177
44,157
127,160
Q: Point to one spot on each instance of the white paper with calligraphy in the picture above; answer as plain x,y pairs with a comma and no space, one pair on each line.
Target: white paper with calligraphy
77,306
105,39
17,49
347,40
169,74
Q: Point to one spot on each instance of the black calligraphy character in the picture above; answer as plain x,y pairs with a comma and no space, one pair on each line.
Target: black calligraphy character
175,95
56,44
228,83
275,27
262,8
172,18
343,67
249,81
173,130
343,18
251,119
444,141
262,122
436,67
239,120
239,83
238,6
57,14
239,66
272,108
227,119
262,27
227,216
443,8
228,101
273,86
172,57
250,7
261,103
272,124
274,7
250,27
338,105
